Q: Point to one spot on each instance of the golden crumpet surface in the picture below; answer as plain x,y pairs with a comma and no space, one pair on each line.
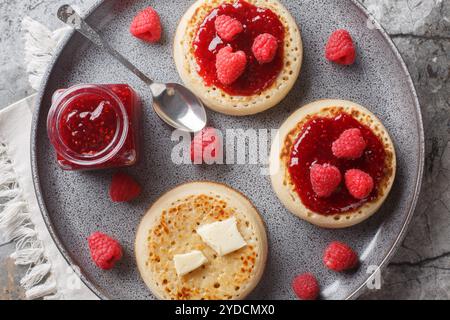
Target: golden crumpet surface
169,228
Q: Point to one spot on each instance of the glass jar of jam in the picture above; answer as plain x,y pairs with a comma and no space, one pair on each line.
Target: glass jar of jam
95,126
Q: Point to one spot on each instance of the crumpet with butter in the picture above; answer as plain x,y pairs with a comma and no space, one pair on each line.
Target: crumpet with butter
201,241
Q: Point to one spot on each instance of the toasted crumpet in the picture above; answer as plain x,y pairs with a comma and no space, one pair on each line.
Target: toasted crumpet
214,97
169,228
281,152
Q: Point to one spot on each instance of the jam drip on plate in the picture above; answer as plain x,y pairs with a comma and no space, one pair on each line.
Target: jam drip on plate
314,146
257,77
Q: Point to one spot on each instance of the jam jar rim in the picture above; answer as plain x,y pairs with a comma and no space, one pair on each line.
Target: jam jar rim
111,150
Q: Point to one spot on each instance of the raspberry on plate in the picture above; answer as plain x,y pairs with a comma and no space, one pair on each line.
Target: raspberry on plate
265,48
325,179
105,251
350,145
359,184
206,147
340,48
339,257
124,188
227,27
230,65
147,26
306,287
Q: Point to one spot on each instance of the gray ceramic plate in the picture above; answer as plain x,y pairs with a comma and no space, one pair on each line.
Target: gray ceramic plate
76,204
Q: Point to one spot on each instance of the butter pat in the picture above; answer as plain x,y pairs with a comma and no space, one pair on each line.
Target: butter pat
223,237
186,263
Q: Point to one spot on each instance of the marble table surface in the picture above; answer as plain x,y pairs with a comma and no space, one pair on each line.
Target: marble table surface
421,30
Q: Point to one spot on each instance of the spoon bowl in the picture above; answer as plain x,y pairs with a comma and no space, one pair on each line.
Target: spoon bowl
178,107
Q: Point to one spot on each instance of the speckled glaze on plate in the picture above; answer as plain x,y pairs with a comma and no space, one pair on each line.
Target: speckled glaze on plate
76,204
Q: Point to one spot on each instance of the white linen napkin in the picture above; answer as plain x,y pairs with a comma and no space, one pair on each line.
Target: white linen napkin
49,276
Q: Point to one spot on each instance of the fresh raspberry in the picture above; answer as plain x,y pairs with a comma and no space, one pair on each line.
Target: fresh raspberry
340,257
105,251
124,188
265,48
359,184
206,146
340,48
147,26
227,27
325,179
350,145
306,287
230,65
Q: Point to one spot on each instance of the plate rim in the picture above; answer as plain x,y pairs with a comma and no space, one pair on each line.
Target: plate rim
359,290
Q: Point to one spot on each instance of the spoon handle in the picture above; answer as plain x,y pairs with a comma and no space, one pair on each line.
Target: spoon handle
70,17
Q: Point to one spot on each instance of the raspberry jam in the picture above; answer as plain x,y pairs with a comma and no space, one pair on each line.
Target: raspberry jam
95,126
314,146
255,21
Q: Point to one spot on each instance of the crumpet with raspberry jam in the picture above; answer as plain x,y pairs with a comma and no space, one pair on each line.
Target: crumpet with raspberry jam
260,58
333,163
